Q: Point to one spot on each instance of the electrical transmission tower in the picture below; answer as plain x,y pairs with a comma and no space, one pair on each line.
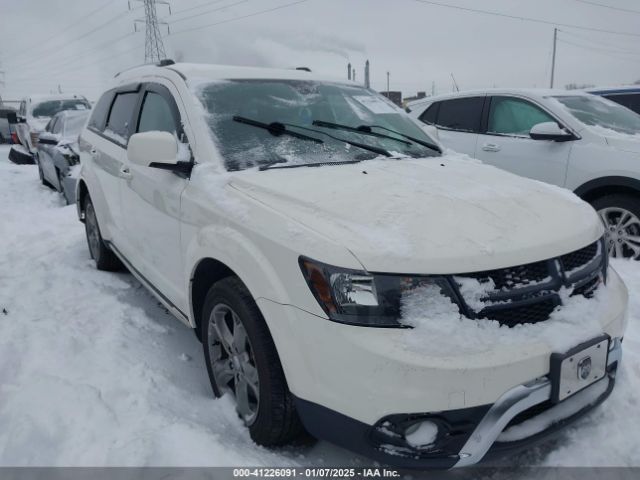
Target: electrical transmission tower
153,46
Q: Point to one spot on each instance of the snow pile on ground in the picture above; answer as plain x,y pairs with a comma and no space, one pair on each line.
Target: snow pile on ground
94,372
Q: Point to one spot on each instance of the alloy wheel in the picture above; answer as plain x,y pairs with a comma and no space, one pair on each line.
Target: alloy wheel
233,362
622,232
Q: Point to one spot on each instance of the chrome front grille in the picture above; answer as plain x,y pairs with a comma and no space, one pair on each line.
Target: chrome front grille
530,293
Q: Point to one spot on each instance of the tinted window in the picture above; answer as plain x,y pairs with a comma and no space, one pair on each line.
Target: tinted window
462,114
118,126
156,115
514,116
49,127
429,116
100,111
629,100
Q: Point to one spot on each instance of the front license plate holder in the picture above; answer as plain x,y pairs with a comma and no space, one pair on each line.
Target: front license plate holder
578,368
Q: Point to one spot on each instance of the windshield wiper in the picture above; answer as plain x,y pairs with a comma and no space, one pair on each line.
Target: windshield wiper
276,129
371,148
362,130
368,130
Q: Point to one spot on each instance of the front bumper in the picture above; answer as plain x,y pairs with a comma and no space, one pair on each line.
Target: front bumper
471,434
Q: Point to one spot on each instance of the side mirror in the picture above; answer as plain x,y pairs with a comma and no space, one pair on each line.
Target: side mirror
156,150
550,131
47,138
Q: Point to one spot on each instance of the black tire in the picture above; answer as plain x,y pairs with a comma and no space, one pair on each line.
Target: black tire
607,206
277,422
105,259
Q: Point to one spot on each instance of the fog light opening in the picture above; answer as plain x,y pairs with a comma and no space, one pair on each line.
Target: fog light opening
421,435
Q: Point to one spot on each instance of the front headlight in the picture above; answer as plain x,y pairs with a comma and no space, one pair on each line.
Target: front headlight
362,298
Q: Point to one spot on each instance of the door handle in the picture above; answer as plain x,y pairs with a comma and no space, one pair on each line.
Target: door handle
491,147
125,173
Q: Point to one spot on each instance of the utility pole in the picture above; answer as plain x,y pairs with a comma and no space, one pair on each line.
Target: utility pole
388,74
367,79
153,46
349,71
553,56
455,84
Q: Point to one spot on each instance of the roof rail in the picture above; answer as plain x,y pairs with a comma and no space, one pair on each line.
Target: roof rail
165,62
304,69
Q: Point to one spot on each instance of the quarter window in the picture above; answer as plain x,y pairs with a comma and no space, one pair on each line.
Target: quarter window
514,116
156,115
462,114
118,126
100,112
429,115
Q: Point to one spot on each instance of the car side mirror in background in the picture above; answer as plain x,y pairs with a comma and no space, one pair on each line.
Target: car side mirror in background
157,150
550,131
47,138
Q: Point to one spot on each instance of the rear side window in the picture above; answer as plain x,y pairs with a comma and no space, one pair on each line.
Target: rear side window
118,125
462,114
430,114
100,112
629,100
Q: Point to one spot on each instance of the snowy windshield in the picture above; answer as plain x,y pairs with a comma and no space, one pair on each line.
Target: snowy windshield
297,105
600,112
51,107
74,124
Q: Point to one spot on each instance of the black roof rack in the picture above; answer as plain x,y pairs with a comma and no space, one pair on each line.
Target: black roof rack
165,62
304,69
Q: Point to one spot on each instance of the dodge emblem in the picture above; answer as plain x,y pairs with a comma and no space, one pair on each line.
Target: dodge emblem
584,368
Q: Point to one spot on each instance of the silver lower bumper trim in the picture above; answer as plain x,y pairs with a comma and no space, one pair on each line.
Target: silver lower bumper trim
513,402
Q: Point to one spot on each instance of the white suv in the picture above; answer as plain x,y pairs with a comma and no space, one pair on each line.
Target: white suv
579,141
344,276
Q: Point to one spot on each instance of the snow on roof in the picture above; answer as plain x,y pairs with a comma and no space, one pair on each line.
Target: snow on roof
227,72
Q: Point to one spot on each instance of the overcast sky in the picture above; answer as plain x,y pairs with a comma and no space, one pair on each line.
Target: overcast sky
43,45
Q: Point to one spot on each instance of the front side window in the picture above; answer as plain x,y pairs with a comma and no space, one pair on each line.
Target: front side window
629,100
51,107
514,116
461,114
118,123
599,112
304,108
156,115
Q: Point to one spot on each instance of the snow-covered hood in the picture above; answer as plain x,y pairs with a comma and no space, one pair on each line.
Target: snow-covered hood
434,215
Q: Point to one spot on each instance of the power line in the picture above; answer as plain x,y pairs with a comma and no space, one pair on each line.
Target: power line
526,19
599,50
241,17
200,5
598,43
611,7
33,60
62,31
208,11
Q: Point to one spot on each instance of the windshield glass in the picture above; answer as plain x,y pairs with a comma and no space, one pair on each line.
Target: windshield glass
296,105
51,107
74,124
600,112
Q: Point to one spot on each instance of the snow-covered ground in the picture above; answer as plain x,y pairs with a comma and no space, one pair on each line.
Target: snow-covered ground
94,372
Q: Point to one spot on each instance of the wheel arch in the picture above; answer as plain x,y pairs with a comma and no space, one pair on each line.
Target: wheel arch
205,273
600,187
